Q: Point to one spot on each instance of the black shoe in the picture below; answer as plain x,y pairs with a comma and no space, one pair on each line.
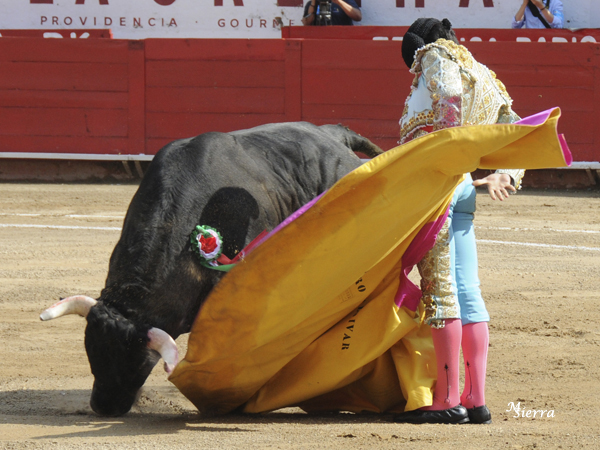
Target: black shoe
458,414
480,414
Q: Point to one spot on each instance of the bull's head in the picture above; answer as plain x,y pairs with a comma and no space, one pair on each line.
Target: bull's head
121,354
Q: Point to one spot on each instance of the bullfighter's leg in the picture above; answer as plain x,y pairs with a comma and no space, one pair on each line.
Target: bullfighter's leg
475,350
474,315
446,343
442,313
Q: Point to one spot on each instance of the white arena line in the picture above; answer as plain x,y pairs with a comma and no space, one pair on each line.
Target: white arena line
482,241
70,216
86,216
92,216
58,227
538,229
531,244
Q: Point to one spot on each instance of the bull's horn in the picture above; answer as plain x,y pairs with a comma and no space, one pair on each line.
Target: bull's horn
164,344
77,304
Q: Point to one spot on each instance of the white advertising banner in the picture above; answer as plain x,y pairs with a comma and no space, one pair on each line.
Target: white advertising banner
140,19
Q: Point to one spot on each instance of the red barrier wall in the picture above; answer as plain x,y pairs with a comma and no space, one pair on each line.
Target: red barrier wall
132,97
93,33
467,34
194,86
66,95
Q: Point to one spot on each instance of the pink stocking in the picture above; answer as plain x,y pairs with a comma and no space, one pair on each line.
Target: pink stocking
475,343
446,343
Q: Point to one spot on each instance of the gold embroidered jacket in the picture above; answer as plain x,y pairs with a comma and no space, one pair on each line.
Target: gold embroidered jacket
450,89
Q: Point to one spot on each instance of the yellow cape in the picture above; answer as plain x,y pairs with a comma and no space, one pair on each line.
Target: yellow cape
309,318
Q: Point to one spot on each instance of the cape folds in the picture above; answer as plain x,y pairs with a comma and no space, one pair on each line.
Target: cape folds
321,314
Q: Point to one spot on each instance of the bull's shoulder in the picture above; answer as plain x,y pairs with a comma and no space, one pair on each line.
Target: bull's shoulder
202,141
278,129
189,155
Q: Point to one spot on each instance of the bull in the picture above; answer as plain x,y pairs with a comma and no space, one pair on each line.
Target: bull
238,183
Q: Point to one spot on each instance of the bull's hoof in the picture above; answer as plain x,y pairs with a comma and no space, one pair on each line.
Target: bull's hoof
458,414
479,414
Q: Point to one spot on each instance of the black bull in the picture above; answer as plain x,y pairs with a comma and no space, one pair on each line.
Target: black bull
239,183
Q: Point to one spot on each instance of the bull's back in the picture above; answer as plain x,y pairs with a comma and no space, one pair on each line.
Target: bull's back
239,183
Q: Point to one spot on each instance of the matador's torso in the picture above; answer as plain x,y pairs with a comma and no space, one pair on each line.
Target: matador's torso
450,89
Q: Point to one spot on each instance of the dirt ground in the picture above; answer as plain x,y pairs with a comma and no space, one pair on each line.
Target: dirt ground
540,271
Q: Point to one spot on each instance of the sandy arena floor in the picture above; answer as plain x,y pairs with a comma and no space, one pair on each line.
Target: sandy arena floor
540,271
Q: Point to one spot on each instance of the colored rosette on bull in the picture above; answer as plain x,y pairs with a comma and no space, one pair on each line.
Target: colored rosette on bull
207,243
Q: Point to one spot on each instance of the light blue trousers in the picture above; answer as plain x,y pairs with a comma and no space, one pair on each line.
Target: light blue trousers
463,254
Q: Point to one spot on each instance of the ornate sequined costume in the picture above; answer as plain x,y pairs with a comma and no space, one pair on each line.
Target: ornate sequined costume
452,89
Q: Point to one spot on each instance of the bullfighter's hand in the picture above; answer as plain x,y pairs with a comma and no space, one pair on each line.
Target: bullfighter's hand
498,185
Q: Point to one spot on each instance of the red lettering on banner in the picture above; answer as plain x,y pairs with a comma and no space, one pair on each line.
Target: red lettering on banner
165,2
486,3
263,23
107,21
82,2
137,22
295,3
418,3
235,2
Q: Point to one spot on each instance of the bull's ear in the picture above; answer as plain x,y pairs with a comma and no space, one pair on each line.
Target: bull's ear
164,344
77,304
